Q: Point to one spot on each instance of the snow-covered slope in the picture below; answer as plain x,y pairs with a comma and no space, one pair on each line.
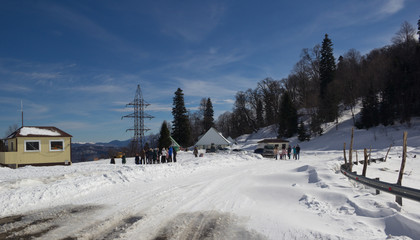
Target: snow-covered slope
226,195
335,135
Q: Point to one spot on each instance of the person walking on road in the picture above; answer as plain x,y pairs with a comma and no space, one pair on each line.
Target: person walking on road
195,151
174,153
298,152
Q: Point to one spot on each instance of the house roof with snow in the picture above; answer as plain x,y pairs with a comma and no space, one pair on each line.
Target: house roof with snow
38,132
273,140
212,136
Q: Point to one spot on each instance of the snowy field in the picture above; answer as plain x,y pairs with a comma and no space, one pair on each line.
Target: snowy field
226,195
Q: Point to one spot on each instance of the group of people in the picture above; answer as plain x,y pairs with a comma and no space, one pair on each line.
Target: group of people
287,153
152,156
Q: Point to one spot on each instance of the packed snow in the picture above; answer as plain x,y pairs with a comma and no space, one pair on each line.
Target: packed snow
25,131
224,195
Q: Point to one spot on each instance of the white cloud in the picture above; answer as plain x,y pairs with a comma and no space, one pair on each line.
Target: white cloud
207,61
87,26
15,88
191,22
223,101
391,7
204,88
355,13
157,107
111,89
72,125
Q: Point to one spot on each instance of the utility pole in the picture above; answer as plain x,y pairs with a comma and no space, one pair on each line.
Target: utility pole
139,115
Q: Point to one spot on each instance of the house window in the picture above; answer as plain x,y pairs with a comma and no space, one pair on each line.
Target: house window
56,145
32,146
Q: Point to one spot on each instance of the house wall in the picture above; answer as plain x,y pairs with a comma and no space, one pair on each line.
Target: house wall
44,156
209,146
8,158
11,145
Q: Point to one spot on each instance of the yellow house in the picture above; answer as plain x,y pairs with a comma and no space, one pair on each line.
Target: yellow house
37,146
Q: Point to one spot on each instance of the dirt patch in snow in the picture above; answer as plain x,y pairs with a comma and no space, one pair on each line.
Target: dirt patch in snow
37,224
205,225
64,223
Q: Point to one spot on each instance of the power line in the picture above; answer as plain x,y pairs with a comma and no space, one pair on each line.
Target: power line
139,115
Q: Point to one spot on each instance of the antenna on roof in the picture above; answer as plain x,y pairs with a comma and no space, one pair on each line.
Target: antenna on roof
21,109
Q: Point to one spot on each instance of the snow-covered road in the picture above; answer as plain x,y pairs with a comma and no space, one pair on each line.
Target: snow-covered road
232,195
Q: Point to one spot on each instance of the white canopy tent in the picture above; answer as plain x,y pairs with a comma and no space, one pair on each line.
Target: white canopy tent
212,137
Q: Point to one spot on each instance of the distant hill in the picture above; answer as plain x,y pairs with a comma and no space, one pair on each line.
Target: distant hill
82,152
115,143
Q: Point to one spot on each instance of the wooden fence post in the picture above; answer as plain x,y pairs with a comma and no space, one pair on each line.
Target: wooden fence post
387,152
345,158
351,150
398,199
365,163
357,157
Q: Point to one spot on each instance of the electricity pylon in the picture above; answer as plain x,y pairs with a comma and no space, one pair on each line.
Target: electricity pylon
139,115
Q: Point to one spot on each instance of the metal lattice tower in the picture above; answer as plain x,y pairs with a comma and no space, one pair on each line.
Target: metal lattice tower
139,105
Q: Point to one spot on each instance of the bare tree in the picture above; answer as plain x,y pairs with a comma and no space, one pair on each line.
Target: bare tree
348,79
303,82
223,124
405,35
11,129
271,91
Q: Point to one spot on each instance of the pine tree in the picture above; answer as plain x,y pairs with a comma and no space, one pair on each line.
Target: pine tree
418,28
164,136
328,108
386,108
288,117
208,116
370,112
181,131
302,133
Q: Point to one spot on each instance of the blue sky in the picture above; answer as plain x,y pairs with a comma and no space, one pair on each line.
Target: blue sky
75,64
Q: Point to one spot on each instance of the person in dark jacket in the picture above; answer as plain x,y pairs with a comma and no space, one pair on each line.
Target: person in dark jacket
195,151
113,160
174,150
298,151
123,159
155,156
150,154
137,159
289,151
142,156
